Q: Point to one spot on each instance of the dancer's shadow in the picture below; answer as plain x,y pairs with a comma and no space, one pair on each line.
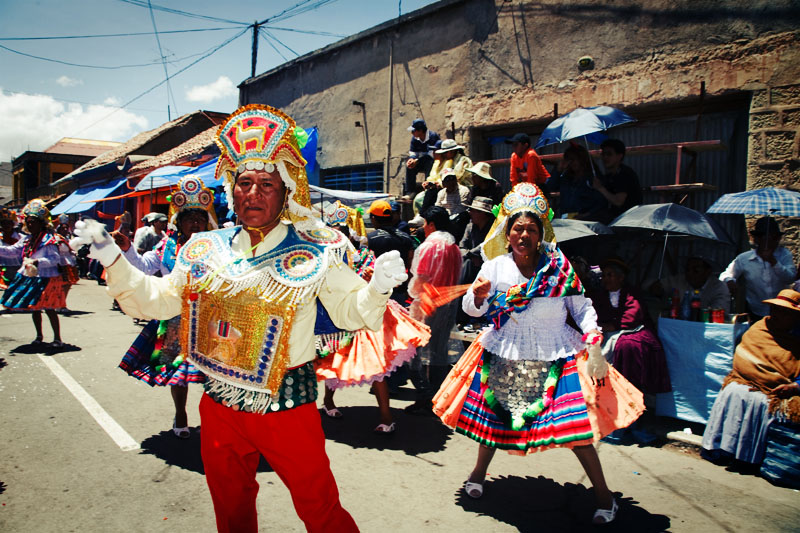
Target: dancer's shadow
541,504
3,363
414,435
182,453
44,348
74,312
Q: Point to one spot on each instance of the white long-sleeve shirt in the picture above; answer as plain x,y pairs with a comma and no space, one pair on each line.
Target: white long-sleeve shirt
350,302
764,281
540,332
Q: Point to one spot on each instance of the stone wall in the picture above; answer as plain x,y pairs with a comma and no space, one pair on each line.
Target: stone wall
774,148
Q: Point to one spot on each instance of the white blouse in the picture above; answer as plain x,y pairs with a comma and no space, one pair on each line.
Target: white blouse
540,332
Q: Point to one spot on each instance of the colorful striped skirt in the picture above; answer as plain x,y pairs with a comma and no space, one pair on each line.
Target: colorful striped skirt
576,411
35,293
154,357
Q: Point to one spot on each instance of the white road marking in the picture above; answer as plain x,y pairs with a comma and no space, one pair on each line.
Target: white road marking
114,430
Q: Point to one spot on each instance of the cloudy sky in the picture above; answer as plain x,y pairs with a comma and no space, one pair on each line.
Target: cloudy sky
108,88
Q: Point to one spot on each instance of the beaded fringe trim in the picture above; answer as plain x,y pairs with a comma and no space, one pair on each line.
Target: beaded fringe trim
239,399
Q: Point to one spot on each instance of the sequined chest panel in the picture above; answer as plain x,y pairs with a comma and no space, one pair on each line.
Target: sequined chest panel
238,312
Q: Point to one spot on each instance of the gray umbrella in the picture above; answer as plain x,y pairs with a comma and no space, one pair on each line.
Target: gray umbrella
671,218
567,229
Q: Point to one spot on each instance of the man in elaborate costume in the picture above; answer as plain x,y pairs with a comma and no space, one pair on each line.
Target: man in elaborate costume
248,296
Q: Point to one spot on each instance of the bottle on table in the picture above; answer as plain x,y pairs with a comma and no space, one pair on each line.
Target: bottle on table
685,306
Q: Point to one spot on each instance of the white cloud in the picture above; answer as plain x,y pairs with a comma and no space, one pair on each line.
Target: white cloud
66,81
216,90
112,101
36,121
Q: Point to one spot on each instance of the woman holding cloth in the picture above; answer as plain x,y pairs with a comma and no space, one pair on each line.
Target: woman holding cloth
38,285
523,385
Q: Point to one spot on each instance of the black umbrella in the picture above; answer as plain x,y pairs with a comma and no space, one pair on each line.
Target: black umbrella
671,218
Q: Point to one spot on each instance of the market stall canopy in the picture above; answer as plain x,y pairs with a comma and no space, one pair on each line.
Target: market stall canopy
85,198
170,175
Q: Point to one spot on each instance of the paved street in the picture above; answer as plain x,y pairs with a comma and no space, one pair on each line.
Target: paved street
86,448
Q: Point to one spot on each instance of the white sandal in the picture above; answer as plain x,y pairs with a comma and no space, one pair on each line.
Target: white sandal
333,412
181,433
470,487
606,516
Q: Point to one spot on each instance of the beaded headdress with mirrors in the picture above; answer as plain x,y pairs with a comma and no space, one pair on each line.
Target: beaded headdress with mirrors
338,214
260,137
524,197
192,194
38,209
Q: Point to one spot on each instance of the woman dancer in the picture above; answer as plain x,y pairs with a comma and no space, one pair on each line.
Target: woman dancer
154,357
364,357
518,386
38,285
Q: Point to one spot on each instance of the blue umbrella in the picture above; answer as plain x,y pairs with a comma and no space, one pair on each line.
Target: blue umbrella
582,122
768,201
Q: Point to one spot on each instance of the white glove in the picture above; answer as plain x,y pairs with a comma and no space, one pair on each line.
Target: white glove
596,365
389,272
101,247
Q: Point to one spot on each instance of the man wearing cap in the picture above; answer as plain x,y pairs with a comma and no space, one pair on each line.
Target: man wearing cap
249,295
526,166
697,278
420,153
483,184
766,270
151,233
481,219
386,237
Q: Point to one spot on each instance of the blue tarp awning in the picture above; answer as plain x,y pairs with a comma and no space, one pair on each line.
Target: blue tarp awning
83,199
170,175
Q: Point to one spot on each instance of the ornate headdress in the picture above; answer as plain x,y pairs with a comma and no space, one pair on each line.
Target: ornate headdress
192,194
38,209
523,197
338,214
260,137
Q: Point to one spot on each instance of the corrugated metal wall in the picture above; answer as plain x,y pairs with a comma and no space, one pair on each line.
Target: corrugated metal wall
726,170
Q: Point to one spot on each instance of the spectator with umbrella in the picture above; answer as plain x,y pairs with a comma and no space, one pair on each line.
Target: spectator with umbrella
620,184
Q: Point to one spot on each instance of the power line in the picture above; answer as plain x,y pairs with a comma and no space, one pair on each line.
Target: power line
269,42
163,62
297,9
102,67
309,32
269,33
159,84
142,3
136,34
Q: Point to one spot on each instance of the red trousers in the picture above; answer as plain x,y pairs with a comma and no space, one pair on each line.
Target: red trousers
293,444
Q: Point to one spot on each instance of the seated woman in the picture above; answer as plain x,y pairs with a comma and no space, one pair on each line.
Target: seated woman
636,351
763,387
632,345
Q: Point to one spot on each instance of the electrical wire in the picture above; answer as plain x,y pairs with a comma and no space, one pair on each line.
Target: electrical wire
137,34
163,62
159,84
143,3
308,32
269,33
269,42
101,67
